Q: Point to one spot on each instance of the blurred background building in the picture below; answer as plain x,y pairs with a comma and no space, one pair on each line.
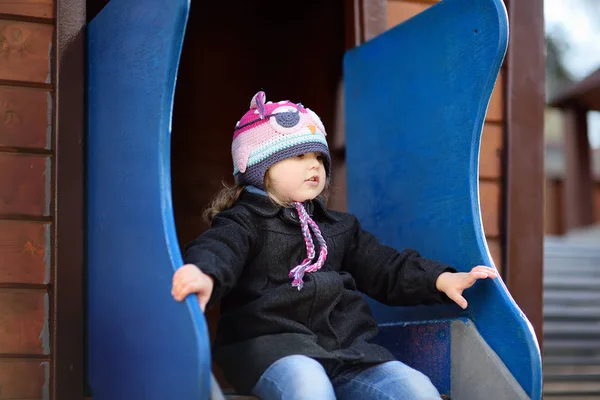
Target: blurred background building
572,200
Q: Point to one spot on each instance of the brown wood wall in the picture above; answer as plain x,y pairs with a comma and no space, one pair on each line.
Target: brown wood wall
26,163
490,173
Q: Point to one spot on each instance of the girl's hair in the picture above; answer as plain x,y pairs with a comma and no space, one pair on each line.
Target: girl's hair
223,200
230,194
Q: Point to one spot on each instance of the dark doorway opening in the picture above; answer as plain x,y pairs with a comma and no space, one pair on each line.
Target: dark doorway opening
231,51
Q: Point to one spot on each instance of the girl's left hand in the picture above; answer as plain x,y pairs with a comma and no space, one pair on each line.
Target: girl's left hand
454,283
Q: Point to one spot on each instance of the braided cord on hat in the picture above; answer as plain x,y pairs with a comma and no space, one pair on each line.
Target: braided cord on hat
307,224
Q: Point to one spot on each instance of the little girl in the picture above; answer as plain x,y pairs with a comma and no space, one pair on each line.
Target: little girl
289,273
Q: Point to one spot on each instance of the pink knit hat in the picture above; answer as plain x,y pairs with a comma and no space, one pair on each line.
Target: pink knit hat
270,132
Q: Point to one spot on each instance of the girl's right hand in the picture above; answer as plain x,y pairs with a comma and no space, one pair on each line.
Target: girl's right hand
190,279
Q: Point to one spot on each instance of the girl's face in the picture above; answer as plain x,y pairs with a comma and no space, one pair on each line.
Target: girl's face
297,178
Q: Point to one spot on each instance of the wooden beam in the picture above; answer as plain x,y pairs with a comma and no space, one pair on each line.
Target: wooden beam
374,18
68,262
585,93
525,104
579,186
365,19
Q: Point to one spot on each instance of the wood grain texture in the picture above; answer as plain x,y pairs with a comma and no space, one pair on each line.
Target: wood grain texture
25,117
28,8
24,184
25,51
490,155
24,252
23,380
23,322
489,194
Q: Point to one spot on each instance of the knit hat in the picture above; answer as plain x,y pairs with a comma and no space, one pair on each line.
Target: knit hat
270,132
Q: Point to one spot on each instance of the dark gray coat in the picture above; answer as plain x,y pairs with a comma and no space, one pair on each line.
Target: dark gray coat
249,251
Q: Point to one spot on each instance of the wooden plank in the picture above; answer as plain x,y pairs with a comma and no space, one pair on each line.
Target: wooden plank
25,117
400,11
589,389
24,322
25,51
489,194
495,249
490,156
24,184
24,252
28,8
26,380
374,21
495,112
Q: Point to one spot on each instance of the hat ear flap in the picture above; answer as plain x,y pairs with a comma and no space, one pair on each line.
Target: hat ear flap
258,102
241,155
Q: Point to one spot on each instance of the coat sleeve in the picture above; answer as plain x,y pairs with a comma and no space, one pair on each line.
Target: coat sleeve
222,250
391,277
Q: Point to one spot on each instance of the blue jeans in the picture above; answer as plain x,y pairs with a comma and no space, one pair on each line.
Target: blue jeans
302,378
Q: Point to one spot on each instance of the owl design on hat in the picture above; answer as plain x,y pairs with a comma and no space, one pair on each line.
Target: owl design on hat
270,132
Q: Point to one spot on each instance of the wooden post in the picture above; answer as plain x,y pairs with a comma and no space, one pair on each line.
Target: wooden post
68,262
525,104
374,18
579,189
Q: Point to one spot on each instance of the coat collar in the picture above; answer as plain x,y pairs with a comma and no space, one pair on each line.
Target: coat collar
264,206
